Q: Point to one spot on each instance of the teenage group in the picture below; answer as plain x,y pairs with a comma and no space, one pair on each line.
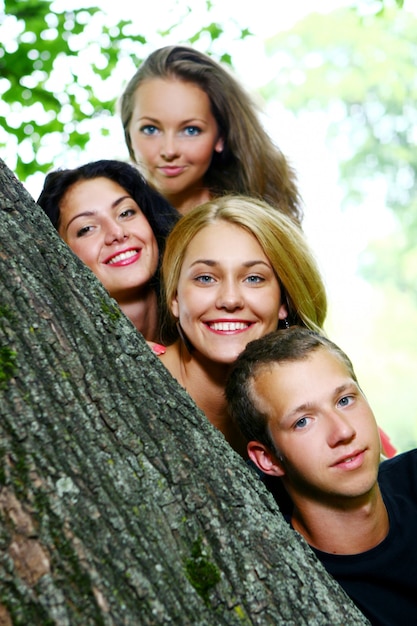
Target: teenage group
200,242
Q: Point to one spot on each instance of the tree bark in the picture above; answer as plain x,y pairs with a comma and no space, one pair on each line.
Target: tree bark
120,504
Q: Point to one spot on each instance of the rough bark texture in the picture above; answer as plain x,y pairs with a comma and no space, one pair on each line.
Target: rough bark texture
119,503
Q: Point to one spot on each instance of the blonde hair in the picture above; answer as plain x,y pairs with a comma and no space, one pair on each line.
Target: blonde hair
250,163
281,240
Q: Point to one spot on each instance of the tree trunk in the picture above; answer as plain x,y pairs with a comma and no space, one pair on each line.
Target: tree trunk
120,504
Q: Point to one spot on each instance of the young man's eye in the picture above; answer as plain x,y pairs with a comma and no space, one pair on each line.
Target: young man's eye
345,401
301,423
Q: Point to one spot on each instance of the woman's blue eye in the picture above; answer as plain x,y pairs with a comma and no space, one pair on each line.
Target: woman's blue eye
192,131
148,130
254,279
205,279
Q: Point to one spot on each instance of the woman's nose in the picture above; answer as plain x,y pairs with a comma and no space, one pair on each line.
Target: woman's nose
169,147
114,232
229,297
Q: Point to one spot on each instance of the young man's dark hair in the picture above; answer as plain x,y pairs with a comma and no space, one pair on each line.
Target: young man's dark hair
289,345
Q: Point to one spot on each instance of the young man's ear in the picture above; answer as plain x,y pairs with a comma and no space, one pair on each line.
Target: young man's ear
264,459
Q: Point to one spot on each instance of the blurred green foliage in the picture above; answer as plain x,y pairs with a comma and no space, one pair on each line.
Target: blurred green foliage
61,69
359,66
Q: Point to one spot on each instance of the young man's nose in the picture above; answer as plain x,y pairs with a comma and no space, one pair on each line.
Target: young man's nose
340,428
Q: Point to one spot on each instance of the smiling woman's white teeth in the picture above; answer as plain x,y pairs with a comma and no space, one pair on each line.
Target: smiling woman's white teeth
122,256
227,326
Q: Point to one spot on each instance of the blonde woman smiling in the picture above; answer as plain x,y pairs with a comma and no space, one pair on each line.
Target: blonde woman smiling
233,270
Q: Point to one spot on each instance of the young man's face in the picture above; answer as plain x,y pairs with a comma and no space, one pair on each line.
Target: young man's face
322,426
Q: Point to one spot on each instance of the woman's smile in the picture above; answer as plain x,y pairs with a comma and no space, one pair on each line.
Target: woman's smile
228,293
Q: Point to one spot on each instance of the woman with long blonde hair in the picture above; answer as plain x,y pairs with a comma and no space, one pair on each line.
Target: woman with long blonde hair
233,270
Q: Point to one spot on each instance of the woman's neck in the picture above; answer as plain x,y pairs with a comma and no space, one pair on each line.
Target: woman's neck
143,313
206,384
189,199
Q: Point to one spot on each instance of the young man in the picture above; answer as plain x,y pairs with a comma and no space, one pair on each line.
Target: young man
297,401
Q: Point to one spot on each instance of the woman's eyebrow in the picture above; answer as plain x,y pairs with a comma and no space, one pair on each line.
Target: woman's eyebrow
113,205
212,262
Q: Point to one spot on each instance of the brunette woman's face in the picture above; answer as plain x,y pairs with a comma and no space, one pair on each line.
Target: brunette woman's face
228,293
105,227
174,134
